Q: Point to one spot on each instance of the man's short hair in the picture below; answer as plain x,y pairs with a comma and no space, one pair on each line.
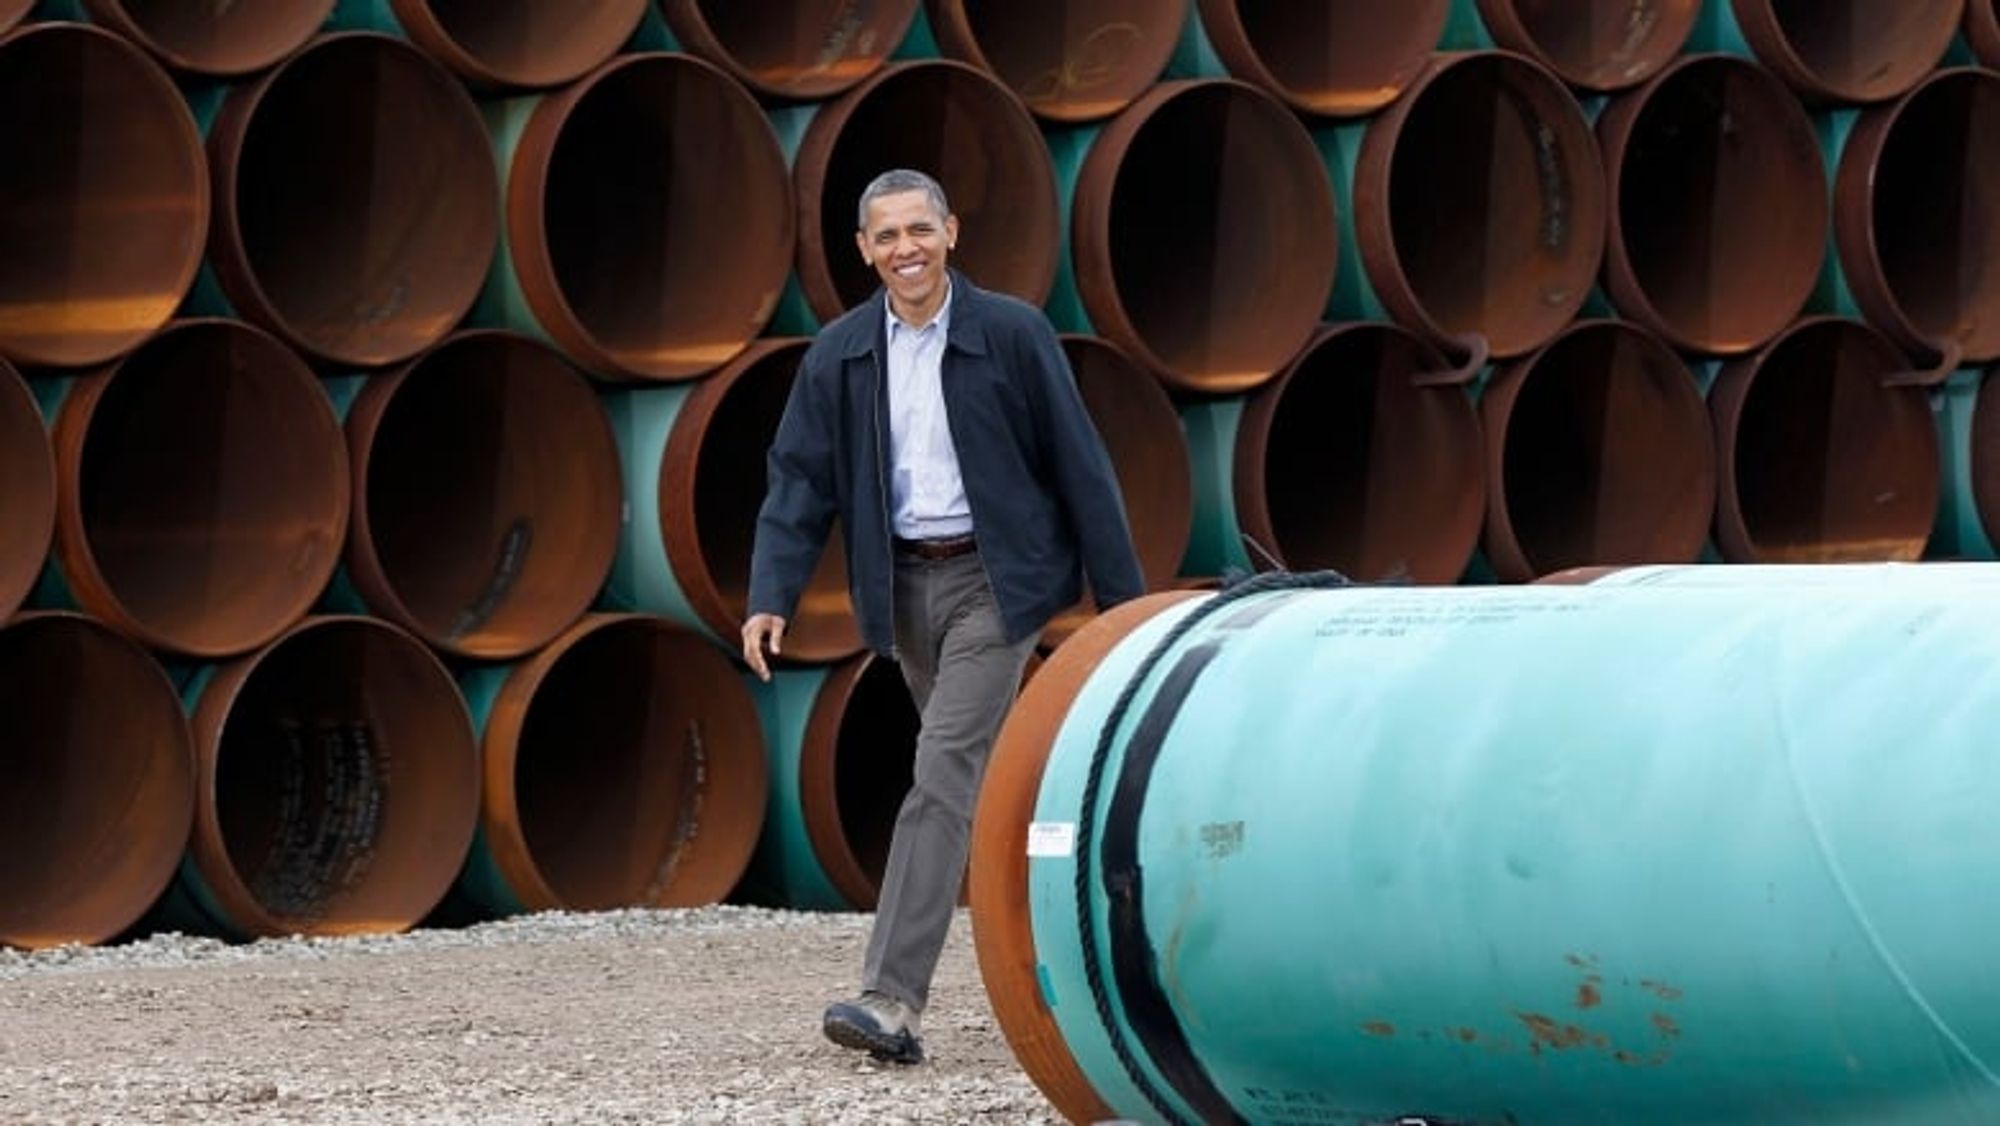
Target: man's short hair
896,181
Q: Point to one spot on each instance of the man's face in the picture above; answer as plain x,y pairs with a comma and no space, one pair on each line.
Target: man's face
906,240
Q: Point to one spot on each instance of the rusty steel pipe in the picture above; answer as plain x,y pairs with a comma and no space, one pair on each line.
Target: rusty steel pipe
1067,61
519,44
1479,203
796,49
337,784
1718,205
356,211
623,767
106,199
649,218
1333,60
1916,214
100,770
962,127
1825,448
201,37
202,489
1847,50
1203,233
486,495
27,491
1601,45
1598,451
13,12
1982,30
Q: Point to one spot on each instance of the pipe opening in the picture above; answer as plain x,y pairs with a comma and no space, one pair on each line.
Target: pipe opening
656,716
206,491
1850,50
358,211
969,133
1205,235
1338,60
1345,463
100,781
656,228
521,42
1599,45
1829,465
1603,456
104,198
873,757
27,491
1069,61
490,485
1720,226
207,38
802,49
1495,204
345,784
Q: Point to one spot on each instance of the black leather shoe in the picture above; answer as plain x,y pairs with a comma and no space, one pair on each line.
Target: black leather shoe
882,1026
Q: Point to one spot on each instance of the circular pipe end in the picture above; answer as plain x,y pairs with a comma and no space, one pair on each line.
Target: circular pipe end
519,44
855,760
13,12
213,40
486,485
1332,60
794,49
1600,45
1068,62
27,491
1849,50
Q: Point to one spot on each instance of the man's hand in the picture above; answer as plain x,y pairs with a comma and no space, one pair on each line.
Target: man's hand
756,632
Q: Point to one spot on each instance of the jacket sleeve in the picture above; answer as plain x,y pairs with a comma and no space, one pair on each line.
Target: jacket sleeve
1081,471
800,499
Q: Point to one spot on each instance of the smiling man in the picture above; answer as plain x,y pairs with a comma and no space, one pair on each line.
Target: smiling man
941,424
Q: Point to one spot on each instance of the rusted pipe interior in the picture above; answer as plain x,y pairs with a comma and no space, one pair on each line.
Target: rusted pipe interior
100,781
27,491
1849,50
344,782
1339,60
203,489
500,43
13,12
1821,462
1599,452
714,470
963,128
1599,44
639,776
855,765
216,40
105,202
651,215
1719,222
1982,30
487,489
1204,234
1068,60
1495,203
1345,462
803,49
356,204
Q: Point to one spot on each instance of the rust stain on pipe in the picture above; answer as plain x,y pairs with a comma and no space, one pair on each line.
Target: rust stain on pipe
711,487
514,44
486,495
1849,50
107,199
1719,213
650,216
1203,233
337,782
1069,61
1916,214
27,491
1598,45
1598,451
356,212
625,705
963,128
202,489
1335,60
1349,461
100,770
13,12
211,39
1822,456
802,49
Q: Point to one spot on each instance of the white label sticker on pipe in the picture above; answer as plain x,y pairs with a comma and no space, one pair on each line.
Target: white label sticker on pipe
1051,838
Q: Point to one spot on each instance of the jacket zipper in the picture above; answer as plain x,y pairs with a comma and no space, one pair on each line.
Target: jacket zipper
944,396
882,492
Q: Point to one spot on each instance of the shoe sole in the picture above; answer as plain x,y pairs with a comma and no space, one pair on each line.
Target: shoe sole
901,1048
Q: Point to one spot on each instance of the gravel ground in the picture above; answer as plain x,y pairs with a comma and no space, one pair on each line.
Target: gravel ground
634,1016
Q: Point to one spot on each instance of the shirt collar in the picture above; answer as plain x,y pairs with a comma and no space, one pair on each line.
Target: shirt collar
942,320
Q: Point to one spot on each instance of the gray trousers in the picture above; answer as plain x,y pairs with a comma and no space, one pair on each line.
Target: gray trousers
963,676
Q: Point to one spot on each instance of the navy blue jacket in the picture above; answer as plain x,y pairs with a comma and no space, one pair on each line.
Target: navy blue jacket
1045,504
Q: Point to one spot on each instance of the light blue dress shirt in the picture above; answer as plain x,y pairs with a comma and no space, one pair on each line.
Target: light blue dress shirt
926,493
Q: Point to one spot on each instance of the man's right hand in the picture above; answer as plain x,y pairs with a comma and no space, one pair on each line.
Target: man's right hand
762,628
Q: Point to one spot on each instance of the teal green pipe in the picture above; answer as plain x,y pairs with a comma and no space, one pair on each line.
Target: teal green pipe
1566,855
1194,55
187,904
51,590
1832,294
1068,146
1716,29
1959,532
1465,29
642,577
501,302
784,870
920,42
204,297
1215,543
794,315
341,596
481,882
366,15
1353,297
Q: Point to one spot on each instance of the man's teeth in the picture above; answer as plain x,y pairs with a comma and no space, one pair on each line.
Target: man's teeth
911,270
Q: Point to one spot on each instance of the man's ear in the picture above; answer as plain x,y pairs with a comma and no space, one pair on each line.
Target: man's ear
861,242
951,232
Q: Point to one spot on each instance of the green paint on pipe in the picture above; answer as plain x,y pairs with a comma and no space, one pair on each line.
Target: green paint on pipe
1465,29
794,315
920,42
188,904
1215,545
501,302
1068,145
642,577
652,34
1716,29
1831,294
1353,297
1194,54
1959,532
480,881
784,869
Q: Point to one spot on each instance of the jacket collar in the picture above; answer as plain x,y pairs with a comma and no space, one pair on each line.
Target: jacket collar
966,332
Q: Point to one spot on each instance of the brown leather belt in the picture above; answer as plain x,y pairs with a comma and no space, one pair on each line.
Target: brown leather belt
937,549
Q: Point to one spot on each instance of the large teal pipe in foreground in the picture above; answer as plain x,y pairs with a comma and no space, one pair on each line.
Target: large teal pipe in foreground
1620,854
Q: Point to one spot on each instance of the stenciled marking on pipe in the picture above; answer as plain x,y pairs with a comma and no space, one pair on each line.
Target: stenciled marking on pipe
693,788
506,570
1097,59
1639,24
326,836
845,38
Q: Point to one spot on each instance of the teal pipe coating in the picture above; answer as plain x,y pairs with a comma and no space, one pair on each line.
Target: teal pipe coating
1068,145
1366,861
1961,530
642,577
784,869
1214,544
